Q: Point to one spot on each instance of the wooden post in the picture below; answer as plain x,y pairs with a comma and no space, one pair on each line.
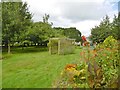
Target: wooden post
50,47
59,46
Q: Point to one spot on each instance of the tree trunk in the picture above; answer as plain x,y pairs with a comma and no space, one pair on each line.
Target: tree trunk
8,47
6,44
22,47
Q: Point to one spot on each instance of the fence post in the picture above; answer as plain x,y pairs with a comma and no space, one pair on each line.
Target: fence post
59,46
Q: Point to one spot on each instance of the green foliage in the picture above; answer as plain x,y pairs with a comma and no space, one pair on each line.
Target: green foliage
71,33
101,68
107,57
115,27
72,77
58,33
17,26
110,42
15,19
0,24
105,29
39,32
109,61
45,18
53,42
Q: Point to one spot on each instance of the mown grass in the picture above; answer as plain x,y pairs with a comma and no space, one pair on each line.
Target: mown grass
0,68
0,74
33,67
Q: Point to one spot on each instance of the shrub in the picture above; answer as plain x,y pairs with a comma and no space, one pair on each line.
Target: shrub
99,69
73,76
108,59
110,42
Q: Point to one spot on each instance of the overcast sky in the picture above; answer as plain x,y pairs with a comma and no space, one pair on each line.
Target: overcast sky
82,14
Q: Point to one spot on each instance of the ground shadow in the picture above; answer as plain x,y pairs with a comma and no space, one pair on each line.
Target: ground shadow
31,49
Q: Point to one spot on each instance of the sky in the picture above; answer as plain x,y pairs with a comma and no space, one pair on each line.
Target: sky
82,14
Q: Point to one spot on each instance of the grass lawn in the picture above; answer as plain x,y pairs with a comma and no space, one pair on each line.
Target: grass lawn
0,74
34,67
0,68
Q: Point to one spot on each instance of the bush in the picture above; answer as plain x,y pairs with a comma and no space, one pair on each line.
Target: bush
108,60
73,76
110,42
99,68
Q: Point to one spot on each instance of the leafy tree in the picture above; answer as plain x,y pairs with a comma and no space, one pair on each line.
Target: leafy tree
71,32
15,19
40,32
105,29
0,24
58,32
45,18
115,26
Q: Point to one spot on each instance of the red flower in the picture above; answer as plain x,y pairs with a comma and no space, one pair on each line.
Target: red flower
83,38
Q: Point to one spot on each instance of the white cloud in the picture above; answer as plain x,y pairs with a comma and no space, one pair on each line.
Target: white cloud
112,13
82,14
78,11
85,26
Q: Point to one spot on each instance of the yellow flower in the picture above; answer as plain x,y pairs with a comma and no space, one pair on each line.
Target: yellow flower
82,71
82,78
61,73
78,73
75,84
73,78
79,84
68,69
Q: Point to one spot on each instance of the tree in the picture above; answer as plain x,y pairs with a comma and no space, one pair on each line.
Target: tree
40,32
45,18
105,29
0,24
71,32
118,23
101,32
115,26
15,19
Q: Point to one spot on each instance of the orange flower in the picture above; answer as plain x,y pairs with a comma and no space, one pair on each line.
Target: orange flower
86,43
69,66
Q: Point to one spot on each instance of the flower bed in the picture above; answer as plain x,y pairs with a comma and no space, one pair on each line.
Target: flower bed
98,68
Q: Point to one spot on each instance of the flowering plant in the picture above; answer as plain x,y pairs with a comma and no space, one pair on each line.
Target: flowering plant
98,68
